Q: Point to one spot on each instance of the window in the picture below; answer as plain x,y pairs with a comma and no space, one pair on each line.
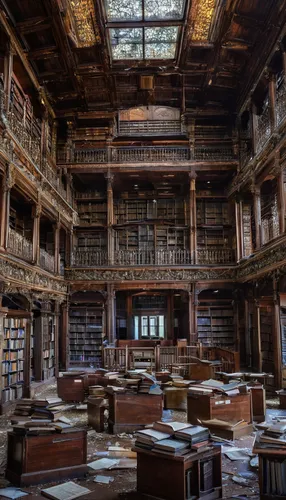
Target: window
133,34
146,327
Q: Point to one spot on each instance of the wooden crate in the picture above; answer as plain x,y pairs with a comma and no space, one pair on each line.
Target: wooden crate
227,408
129,412
71,388
164,477
39,459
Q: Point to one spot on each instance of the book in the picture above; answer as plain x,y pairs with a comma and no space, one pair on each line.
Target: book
193,434
170,427
173,446
65,491
152,435
206,475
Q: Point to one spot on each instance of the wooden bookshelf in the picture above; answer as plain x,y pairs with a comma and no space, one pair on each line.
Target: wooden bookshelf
272,472
266,334
44,343
213,223
92,213
130,210
215,325
86,327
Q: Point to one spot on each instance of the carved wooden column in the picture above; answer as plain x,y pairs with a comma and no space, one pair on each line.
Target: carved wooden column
254,125
170,315
272,101
36,215
276,337
129,316
8,71
9,180
69,248
64,349
238,228
68,177
69,143
57,330
3,314
193,218
27,353
256,355
247,333
193,307
54,140
235,304
281,200
57,227
110,320
257,215
110,243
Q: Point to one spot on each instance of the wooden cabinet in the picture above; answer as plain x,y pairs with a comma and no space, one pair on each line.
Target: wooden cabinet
129,412
39,459
71,388
227,408
180,477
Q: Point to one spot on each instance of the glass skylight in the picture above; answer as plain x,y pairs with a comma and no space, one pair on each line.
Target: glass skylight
144,43
147,10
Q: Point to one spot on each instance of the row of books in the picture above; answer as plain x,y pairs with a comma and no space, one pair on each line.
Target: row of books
15,322
13,355
274,476
12,393
12,378
173,438
13,344
12,366
17,333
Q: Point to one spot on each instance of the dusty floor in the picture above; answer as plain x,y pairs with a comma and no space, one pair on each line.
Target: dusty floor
124,484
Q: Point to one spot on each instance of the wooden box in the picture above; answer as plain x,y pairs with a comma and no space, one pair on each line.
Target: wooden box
175,398
40,459
129,412
95,412
165,477
227,408
71,388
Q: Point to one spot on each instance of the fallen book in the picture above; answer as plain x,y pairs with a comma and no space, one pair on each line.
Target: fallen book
170,427
66,491
151,435
194,434
172,446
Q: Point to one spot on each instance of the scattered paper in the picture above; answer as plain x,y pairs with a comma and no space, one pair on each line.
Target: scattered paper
240,480
103,463
103,479
237,455
254,462
65,491
125,463
12,493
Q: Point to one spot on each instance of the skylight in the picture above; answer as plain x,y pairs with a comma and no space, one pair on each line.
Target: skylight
138,30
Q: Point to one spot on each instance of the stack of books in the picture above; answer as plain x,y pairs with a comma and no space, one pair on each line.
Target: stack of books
211,387
273,436
40,416
173,438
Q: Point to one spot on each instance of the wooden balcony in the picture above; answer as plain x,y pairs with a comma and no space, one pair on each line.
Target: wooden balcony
158,154
97,258
263,129
19,245
280,107
215,256
47,261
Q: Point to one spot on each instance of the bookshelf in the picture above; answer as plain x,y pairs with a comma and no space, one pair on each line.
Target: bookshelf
13,355
131,210
44,343
215,325
92,213
266,334
272,472
213,223
86,327
48,347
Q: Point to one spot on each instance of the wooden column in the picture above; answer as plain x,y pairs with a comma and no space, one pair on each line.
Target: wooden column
3,314
110,243
110,320
281,201
254,124
193,307
236,319
193,218
5,209
36,215
170,316
57,329
276,337
238,227
27,357
8,71
69,187
256,355
247,333
129,316
64,337
57,227
54,139
69,247
272,101
257,215
191,318
38,346
69,143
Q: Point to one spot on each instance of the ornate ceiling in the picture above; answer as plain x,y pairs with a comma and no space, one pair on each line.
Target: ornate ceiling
204,55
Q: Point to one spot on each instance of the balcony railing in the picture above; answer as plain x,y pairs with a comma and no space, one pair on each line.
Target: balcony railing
215,256
152,127
146,154
47,261
280,103
19,245
263,129
152,257
89,258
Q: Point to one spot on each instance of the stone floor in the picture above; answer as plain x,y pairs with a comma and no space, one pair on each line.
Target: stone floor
124,484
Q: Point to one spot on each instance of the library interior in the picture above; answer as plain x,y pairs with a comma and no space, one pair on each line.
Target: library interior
143,249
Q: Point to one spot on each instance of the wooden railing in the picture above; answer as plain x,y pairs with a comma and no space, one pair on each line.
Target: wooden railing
152,257
47,261
280,103
230,359
263,129
154,127
89,258
215,256
145,154
19,245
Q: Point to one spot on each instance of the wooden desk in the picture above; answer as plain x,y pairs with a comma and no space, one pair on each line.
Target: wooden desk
175,398
129,412
71,388
39,459
227,408
165,477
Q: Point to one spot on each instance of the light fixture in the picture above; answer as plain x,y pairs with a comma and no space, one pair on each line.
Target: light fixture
208,182
215,291
154,201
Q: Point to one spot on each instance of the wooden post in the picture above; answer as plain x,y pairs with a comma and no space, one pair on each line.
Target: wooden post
257,215
27,357
5,208
69,248
110,314
64,338
57,227
170,316
281,201
44,135
238,230
126,358
38,346
191,317
254,124
69,187
257,357
130,334
193,218
3,314
54,139
276,337
57,326
247,334
272,101
8,71
157,358
36,215
110,243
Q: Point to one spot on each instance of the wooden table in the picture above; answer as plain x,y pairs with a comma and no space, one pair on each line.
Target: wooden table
166,477
129,412
39,459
